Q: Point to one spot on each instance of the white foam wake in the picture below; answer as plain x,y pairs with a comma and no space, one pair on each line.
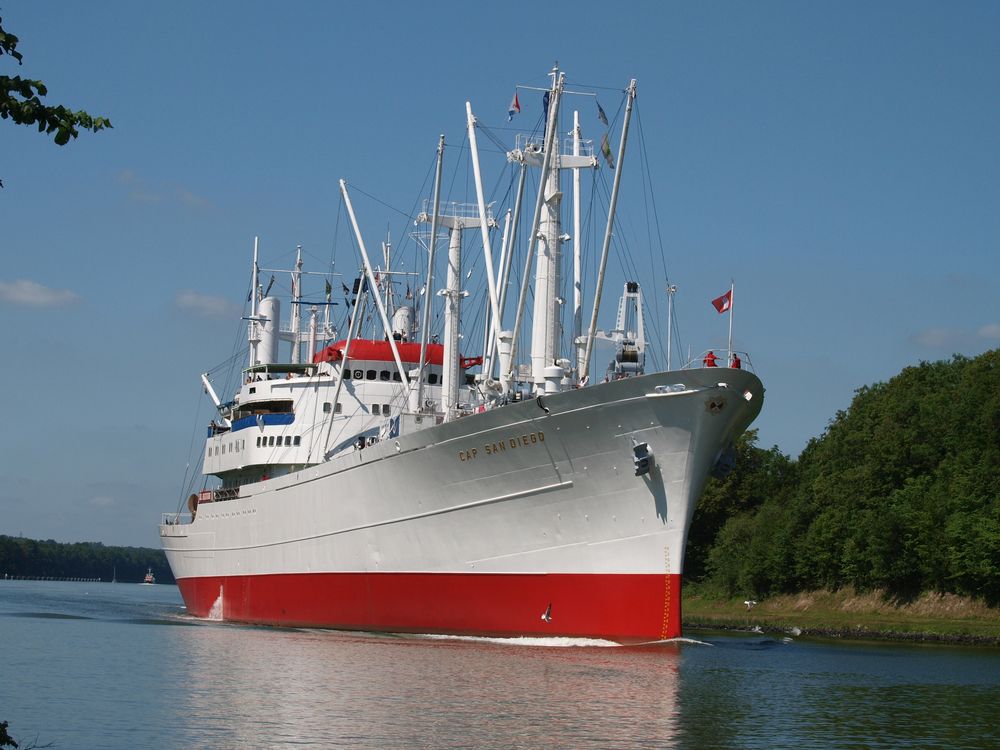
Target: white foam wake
215,613
537,642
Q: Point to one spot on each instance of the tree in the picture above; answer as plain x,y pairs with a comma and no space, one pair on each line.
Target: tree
5,739
21,102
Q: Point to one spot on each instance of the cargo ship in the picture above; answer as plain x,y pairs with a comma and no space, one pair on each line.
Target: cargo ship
380,480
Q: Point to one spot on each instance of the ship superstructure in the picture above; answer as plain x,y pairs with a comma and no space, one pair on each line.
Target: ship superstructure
388,480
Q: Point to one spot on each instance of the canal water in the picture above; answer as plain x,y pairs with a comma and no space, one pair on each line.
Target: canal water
100,665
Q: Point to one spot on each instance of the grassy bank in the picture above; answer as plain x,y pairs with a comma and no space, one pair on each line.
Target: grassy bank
846,613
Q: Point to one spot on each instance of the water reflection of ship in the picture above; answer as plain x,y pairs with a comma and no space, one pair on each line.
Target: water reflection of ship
548,696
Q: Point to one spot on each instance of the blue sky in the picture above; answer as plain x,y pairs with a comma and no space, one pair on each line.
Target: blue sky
840,161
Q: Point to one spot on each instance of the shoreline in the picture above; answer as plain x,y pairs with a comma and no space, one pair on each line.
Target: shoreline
846,614
859,633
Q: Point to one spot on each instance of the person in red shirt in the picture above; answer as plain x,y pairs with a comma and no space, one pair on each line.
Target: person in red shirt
710,360
737,363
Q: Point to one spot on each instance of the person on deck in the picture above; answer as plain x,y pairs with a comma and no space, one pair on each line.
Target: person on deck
737,363
710,359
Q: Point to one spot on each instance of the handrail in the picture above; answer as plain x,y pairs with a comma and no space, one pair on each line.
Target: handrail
700,361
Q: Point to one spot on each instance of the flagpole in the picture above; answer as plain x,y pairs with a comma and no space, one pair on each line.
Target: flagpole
671,289
732,294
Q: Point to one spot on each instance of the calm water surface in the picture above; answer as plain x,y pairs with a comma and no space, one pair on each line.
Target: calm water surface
91,665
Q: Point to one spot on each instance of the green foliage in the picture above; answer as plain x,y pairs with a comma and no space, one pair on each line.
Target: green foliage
900,493
5,739
21,102
29,558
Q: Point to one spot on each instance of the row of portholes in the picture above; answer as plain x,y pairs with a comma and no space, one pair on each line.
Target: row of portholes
274,441
263,441
382,409
385,376
237,446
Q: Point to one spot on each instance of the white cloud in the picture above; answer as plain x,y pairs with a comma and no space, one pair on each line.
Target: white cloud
33,294
938,337
956,339
989,331
206,305
141,191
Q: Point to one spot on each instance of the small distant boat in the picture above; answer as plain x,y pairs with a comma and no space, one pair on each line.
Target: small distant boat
149,580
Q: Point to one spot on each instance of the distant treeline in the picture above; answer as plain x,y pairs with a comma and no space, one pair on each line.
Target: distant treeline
900,493
29,558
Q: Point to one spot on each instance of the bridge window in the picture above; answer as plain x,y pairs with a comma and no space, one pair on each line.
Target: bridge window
359,375
326,407
370,375
384,375
297,440
375,408
340,408
385,410
432,379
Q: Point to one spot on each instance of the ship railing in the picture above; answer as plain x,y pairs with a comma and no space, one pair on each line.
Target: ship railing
225,493
457,210
724,358
175,519
586,147
534,143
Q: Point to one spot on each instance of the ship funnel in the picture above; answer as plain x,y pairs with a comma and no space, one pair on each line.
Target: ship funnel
269,320
402,323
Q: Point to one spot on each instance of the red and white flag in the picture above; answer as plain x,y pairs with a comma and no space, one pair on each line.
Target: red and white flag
514,108
723,303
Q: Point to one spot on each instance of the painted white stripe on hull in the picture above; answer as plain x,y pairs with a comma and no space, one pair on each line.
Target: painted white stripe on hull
569,546
400,519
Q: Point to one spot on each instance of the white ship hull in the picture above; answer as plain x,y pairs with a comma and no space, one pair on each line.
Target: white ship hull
523,520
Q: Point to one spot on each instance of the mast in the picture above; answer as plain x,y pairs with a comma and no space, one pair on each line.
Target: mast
546,319
461,217
577,263
547,161
591,330
452,316
732,294
296,305
344,365
425,325
484,226
371,280
489,333
312,333
507,257
390,302
253,336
